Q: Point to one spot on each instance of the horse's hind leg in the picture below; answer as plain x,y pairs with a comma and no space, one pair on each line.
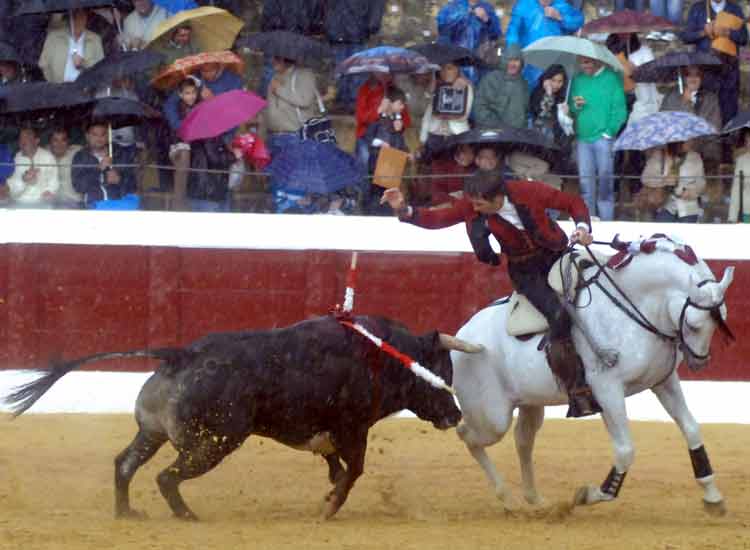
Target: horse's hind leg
672,399
529,421
492,430
615,417
140,451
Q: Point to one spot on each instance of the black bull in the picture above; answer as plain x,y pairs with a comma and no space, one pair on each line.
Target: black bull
315,385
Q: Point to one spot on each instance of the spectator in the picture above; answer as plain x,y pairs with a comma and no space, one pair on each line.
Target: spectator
139,26
673,180
348,25
127,137
371,103
487,159
68,51
299,16
179,152
180,44
8,73
454,170
741,179
547,108
34,181
701,30
472,24
292,100
699,101
63,152
7,166
531,20
597,104
215,80
503,96
208,186
437,125
93,175
635,5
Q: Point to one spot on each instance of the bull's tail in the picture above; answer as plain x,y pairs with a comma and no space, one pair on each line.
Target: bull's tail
26,395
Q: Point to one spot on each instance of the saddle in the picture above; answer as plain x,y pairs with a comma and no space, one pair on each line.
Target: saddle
524,320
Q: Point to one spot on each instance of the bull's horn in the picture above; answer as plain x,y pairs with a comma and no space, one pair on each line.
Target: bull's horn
451,342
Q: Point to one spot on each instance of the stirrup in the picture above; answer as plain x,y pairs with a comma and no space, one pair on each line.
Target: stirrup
582,402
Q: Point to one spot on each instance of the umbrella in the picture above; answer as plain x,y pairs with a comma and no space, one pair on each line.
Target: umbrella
565,50
35,98
440,54
9,53
172,75
213,117
27,7
214,29
627,21
505,138
740,121
667,67
118,65
289,45
312,167
661,128
120,111
386,59
174,6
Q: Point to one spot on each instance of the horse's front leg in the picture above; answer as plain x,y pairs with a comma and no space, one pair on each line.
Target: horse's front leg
614,413
529,421
672,399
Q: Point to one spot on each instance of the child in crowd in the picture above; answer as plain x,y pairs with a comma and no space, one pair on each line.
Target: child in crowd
179,152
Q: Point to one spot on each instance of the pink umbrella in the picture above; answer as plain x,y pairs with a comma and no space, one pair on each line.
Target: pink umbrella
221,113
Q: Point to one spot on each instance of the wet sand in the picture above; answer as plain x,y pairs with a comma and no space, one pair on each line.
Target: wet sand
420,489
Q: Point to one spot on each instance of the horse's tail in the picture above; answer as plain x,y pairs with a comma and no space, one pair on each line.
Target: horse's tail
27,394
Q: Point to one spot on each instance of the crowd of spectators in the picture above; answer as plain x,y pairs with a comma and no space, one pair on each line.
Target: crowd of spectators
581,111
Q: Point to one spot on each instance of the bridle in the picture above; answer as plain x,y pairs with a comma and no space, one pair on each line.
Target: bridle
640,318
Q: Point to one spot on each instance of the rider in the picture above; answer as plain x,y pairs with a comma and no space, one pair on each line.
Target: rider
514,212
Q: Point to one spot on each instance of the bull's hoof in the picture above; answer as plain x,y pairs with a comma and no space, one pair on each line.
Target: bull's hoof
131,514
716,509
330,507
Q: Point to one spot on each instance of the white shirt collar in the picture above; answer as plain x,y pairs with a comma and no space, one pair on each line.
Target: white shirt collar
718,7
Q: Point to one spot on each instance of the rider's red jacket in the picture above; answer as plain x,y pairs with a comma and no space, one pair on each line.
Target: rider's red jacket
531,200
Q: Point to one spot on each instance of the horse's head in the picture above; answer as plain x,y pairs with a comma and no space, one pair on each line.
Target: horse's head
697,316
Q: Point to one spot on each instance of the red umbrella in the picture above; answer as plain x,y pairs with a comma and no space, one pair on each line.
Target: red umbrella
221,113
628,21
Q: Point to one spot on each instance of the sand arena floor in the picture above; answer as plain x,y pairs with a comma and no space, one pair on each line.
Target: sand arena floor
421,489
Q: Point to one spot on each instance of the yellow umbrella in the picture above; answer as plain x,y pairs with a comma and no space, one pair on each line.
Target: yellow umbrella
214,29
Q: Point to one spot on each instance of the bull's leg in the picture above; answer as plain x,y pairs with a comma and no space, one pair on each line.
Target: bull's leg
352,452
140,451
491,430
614,413
335,469
672,399
529,421
192,461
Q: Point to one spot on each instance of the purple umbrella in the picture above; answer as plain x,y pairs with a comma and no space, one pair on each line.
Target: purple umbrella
220,114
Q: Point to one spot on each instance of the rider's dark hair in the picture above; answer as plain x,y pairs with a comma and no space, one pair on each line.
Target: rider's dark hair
486,184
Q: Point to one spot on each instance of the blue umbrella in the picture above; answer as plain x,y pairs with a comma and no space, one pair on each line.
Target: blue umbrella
312,167
386,59
661,128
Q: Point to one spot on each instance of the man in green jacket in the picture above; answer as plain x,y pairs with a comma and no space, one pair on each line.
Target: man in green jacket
503,96
597,104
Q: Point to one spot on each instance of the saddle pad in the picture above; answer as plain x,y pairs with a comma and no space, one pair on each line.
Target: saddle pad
523,318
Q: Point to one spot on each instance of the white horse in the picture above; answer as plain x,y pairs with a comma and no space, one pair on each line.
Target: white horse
670,314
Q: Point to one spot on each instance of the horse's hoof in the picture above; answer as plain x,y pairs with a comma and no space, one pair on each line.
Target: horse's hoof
132,515
534,500
581,496
716,509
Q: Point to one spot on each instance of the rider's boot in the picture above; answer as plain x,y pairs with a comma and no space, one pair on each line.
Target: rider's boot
568,367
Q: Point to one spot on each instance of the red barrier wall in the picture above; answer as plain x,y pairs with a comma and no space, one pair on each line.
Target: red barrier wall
74,300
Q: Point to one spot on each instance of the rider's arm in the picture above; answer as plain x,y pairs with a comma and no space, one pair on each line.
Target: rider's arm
571,204
437,218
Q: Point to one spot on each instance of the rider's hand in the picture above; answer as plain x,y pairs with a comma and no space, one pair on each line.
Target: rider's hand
581,235
394,197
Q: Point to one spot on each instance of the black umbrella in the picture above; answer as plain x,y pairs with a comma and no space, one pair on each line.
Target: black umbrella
505,139
120,111
740,121
667,67
118,65
289,45
41,103
9,53
27,7
440,54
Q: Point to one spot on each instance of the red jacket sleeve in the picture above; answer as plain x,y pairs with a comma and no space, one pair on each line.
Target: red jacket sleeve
572,205
442,216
